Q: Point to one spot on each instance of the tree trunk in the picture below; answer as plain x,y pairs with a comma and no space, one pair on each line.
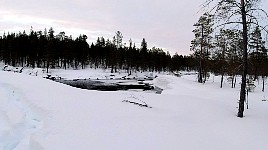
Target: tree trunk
221,79
64,63
232,81
263,83
235,81
245,63
222,69
200,78
47,65
112,70
255,73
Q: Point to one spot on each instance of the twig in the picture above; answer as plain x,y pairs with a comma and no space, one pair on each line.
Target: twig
141,105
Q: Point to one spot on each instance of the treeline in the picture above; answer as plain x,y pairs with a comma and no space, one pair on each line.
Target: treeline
44,49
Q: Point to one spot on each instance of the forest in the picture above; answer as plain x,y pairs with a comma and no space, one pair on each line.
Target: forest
45,49
221,53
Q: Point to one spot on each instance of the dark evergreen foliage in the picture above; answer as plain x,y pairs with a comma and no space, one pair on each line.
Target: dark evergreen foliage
47,50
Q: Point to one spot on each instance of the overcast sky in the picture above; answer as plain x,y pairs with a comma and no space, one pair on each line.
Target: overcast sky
166,24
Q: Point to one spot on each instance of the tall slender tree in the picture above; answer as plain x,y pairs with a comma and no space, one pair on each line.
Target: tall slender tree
143,54
201,43
258,51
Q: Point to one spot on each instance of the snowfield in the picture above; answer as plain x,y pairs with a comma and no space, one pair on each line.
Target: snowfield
40,114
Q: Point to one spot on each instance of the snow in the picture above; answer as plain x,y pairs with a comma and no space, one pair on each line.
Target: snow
40,114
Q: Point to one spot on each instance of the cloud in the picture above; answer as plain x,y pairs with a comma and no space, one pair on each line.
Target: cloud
160,22
167,24
20,19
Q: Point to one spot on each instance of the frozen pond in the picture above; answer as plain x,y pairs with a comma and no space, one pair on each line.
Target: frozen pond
112,85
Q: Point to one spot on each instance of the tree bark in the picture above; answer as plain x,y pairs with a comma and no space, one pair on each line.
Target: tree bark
47,65
245,63
263,78
222,69
232,81
222,79
200,78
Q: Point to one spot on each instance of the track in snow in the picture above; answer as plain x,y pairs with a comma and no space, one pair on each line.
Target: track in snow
17,120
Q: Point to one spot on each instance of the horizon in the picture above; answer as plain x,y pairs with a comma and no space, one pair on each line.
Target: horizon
164,24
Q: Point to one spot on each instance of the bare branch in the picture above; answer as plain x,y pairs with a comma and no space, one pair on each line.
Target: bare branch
263,28
207,3
237,4
227,23
258,9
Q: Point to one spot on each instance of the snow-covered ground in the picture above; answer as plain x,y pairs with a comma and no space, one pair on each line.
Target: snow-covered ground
39,114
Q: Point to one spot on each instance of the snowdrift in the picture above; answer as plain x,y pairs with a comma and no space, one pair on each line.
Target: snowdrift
40,114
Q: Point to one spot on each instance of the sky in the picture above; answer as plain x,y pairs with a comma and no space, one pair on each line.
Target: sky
165,24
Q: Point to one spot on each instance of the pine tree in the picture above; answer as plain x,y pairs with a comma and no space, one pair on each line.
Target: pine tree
201,44
143,55
258,51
